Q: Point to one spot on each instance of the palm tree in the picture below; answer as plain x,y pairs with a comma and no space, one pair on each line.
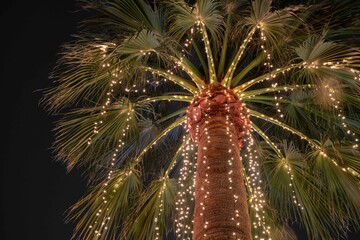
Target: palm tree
209,119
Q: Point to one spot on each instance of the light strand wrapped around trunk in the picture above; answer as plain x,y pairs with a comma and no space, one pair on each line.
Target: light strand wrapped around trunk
218,121
217,100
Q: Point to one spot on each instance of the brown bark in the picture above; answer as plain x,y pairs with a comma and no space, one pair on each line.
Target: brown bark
223,222
218,121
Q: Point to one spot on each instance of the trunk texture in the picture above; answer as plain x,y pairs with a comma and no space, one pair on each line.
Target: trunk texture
221,210
218,122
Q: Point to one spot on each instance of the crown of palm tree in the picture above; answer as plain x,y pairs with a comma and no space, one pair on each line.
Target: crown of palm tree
124,85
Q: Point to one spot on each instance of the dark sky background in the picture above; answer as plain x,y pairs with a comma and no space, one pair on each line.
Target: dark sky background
35,190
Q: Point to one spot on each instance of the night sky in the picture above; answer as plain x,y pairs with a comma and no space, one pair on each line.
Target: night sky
36,191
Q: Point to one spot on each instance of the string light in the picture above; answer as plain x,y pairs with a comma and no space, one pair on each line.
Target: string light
269,66
269,76
213,102
161,208
228,76
104,195
186,192
257,200
332,94
100,226
203,31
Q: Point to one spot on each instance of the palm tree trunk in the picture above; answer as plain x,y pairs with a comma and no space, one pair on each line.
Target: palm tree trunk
221,210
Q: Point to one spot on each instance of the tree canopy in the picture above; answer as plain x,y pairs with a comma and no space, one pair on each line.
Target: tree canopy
123,85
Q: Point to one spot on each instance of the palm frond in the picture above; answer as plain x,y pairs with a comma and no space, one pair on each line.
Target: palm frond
185,16
104,209
122,17
156,207
84,136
